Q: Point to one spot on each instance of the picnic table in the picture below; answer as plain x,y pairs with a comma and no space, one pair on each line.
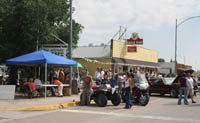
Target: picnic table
52,85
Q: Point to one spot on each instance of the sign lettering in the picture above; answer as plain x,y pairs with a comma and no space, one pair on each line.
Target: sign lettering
132,49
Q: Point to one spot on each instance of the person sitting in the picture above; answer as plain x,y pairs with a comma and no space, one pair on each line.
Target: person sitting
31,86
87,91
60,86
38,85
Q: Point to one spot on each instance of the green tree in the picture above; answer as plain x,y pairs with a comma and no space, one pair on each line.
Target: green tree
23,22
161,60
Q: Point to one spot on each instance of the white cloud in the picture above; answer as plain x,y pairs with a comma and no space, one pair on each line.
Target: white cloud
101,18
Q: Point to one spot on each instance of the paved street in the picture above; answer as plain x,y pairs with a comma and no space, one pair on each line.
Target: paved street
159,110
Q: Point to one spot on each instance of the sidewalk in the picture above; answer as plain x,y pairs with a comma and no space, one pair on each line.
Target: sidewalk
48,103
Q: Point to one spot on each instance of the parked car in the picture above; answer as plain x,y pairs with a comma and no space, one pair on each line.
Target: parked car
164,86
167,85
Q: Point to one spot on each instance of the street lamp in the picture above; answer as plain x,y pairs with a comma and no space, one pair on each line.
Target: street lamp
177,25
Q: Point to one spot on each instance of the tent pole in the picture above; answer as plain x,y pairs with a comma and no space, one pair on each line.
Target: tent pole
39,71
45,80
78,74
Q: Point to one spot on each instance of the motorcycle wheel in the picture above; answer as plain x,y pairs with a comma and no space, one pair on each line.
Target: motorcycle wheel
144,99
115,99
101,100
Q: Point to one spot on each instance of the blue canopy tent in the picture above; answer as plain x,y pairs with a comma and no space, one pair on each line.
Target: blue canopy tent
41,57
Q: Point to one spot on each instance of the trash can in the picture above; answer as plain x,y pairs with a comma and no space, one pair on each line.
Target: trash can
74,87
67,91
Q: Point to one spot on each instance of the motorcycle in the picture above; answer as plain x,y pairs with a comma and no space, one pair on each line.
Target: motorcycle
140,92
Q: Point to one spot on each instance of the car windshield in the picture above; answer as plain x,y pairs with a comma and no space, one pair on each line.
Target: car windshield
168,81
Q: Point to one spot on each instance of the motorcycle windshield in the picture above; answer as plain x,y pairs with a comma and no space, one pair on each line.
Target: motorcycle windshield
140,78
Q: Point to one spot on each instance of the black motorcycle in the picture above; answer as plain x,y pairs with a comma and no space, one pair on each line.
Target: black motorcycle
140,94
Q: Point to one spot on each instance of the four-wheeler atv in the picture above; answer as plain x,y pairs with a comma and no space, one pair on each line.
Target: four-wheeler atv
104,92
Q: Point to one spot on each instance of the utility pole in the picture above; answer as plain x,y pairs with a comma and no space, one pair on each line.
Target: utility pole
37,47
175,47
70,44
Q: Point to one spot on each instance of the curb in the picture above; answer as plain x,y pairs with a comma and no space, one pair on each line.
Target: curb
44,107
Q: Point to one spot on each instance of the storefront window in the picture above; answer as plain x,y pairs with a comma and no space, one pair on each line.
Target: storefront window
125,68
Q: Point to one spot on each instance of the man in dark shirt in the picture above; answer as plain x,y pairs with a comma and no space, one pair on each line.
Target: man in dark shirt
183,89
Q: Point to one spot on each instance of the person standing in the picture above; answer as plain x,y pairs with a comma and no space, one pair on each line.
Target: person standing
195,86
190,87
87,91
113,81
61,75
38,83
110,75
120,81
105,80
129,83
183,89
97,76
102,73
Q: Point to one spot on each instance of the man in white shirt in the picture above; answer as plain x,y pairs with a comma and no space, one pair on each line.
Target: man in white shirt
102,73
190,87
38,83
120,81
97,76
109,74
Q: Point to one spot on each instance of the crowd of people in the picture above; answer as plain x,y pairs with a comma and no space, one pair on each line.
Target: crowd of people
126,80
55,77
122,80
187,84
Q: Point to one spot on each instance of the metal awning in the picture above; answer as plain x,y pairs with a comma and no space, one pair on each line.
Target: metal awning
135,62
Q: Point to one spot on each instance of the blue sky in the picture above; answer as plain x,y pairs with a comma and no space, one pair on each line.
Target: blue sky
154,20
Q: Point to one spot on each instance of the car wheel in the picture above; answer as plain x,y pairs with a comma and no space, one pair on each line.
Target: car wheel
173,93
102,100
149,93
162,94
115,99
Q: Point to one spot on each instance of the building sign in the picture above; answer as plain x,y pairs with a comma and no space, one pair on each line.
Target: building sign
135,40
132,49
56,51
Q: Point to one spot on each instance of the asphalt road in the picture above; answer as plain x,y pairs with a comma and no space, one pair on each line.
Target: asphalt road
159,110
